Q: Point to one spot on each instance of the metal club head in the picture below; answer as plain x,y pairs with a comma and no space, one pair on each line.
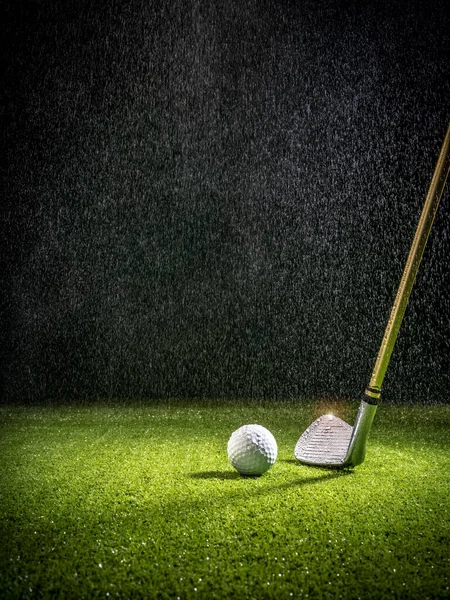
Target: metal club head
331,442
325,442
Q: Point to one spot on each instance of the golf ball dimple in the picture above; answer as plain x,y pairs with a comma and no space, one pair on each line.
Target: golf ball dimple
252,449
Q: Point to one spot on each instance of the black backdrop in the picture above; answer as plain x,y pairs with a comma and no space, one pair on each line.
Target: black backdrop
216,199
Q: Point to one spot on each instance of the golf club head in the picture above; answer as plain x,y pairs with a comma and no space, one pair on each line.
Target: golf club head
325,443
331,442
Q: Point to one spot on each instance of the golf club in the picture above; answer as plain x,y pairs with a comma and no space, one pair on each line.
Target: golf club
330,441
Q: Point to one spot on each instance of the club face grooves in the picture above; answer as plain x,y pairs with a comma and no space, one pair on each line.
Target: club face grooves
325,443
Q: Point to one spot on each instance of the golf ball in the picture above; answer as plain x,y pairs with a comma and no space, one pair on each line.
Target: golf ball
252,449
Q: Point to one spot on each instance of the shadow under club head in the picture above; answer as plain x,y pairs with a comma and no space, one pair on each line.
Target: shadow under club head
325,443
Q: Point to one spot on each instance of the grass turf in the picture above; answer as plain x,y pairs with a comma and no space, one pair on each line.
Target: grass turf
140,501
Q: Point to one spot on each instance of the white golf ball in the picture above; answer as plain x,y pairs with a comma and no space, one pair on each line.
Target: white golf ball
252,449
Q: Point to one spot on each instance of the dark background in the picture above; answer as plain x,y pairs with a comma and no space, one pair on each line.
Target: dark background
216,199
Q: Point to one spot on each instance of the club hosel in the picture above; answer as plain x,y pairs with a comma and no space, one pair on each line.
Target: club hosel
358,443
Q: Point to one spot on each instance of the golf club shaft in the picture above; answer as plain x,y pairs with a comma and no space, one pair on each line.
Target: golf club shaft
412,264
366,413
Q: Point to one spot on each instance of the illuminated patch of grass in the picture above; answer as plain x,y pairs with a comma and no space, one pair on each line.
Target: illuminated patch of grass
113,501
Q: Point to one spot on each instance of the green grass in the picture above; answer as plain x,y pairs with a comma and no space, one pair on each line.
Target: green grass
140,501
